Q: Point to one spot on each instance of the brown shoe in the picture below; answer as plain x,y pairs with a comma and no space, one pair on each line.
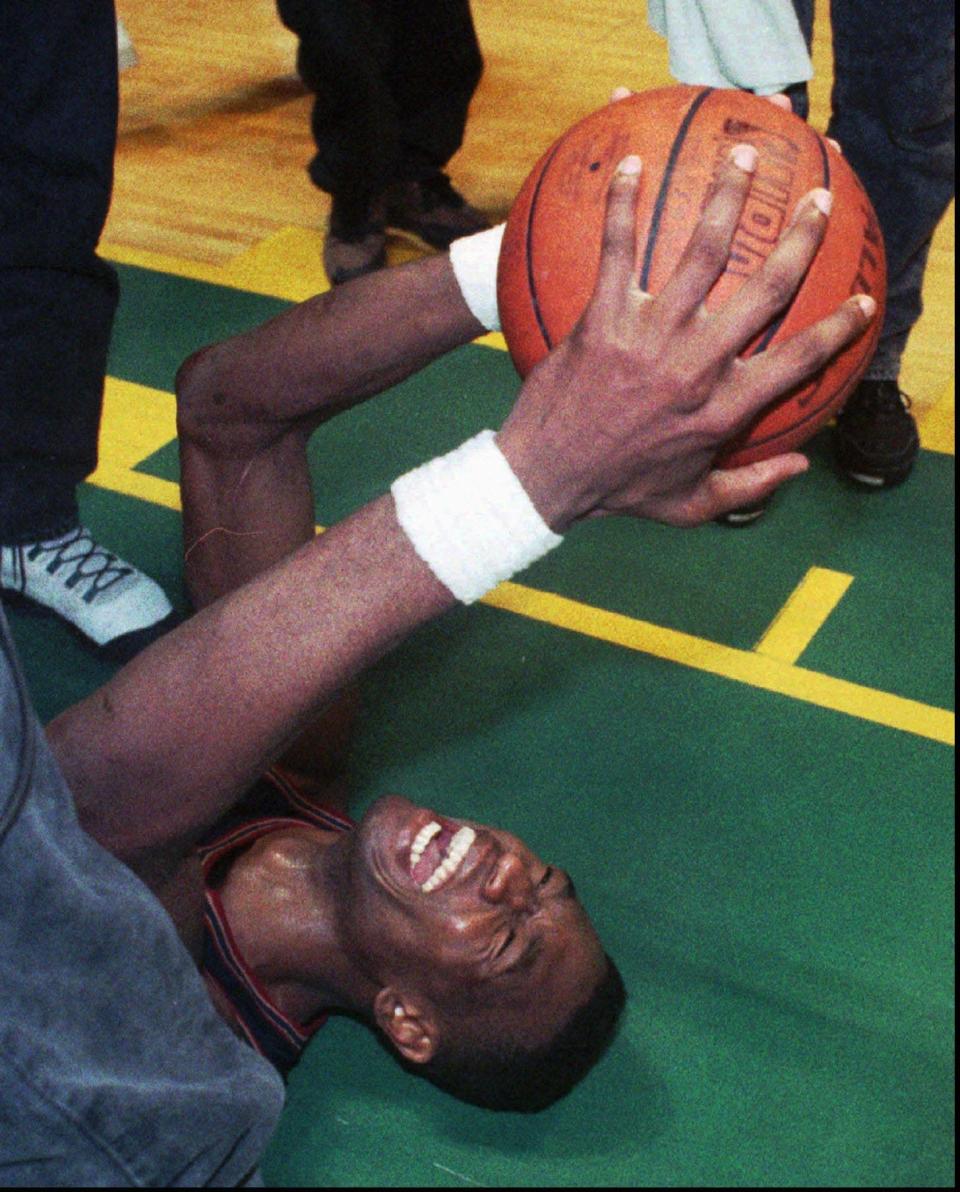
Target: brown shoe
353,248
432,210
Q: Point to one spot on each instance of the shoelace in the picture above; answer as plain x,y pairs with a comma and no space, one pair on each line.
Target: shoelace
93,563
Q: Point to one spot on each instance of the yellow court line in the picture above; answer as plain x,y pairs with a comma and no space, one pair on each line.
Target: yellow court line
139,421
806,610
160,263
286,265
742,666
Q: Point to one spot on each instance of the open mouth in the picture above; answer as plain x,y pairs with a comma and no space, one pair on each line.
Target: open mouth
437,853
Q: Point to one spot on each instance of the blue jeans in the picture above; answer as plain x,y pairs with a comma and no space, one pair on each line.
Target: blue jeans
893,113
115,1070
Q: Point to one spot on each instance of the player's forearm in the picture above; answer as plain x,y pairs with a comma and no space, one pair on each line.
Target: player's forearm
163,749
248,406
327,353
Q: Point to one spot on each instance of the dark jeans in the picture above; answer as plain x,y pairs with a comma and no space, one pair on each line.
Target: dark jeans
393,80
893,113
115,1071
58,98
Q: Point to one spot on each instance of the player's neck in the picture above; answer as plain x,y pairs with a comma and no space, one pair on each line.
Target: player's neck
282,900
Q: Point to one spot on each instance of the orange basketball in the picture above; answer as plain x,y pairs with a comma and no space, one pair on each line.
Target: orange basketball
551,246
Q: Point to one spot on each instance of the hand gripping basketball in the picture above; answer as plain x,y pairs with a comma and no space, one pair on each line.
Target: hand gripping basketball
551,248
628,413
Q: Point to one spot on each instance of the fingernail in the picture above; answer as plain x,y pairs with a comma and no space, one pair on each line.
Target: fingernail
631,165
620,93
867,304
822,200
745,156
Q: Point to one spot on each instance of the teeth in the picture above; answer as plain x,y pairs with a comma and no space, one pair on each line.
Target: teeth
459,847
423,838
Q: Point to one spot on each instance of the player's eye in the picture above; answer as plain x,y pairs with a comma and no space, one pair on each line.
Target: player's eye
505,943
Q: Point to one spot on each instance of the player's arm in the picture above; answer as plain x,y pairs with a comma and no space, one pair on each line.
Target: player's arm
625,417
247,406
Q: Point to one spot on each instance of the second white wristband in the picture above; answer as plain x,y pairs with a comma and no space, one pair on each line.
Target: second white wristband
470,519
474,260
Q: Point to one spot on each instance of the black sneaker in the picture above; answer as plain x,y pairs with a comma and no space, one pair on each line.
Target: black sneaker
433,210
876,436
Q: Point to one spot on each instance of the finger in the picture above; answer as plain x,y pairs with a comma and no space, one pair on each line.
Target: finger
785,366
618,251
780,100
764,295
738,488
708,251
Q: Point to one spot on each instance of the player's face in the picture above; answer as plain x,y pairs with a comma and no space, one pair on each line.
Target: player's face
469,917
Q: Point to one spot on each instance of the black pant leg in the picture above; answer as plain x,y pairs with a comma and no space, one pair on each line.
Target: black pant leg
342,57
58,88
434,71
393,80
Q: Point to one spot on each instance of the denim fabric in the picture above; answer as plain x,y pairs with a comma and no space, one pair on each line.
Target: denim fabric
58,121
894,115
115,1071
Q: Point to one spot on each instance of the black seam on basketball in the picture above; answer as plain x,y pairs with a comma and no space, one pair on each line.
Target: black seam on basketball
660,205
531,282
775,326
845,390
851,382
824,157
770,332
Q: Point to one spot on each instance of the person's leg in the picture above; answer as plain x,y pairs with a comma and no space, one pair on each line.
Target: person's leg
116,1070
58,83
58,80
893,113
434,71
433,74
341,56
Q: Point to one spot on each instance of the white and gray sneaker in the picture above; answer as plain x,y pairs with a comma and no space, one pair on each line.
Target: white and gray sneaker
108,600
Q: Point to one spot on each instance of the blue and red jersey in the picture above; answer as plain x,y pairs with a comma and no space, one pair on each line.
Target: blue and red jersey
276,802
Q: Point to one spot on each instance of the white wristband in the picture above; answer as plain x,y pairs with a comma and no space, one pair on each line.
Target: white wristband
470,519
474,260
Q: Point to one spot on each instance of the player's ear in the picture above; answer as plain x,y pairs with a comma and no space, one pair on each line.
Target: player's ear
408,1023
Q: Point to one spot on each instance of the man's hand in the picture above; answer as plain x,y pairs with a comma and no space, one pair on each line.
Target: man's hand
627,415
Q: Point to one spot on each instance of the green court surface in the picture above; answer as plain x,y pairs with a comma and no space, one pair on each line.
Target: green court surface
773,874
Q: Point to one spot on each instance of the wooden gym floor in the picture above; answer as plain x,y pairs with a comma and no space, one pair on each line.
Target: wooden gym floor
741,744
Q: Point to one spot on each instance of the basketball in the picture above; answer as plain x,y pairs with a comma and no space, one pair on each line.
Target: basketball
551,246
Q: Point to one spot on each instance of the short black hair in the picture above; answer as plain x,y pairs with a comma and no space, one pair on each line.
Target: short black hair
526,1081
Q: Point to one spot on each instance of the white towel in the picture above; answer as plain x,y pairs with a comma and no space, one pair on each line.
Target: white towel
126,52
756,45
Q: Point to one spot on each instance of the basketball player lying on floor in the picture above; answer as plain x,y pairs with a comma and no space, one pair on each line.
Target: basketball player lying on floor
471,954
